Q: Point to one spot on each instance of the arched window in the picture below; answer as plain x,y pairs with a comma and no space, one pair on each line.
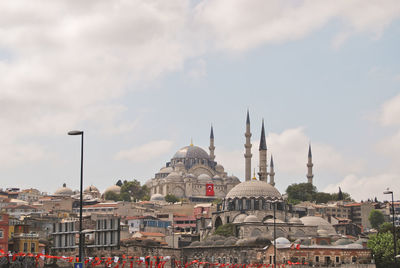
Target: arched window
248,204
256,204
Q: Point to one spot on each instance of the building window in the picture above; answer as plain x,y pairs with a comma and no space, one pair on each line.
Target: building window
354,259
33,247
105,224
25,247
337,259
112,238
316,258
1,233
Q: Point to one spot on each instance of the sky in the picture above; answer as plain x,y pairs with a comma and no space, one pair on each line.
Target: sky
143,78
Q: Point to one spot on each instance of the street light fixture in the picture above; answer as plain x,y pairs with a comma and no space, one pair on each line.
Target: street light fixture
394,227
77,133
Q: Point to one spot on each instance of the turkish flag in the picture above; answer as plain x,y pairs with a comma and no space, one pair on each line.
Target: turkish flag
209,189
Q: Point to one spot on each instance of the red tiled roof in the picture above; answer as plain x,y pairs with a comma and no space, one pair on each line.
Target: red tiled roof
152,234
353,205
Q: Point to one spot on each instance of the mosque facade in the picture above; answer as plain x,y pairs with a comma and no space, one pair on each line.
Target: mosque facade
194,174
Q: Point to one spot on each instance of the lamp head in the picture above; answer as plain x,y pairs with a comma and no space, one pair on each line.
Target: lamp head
388,192
75,132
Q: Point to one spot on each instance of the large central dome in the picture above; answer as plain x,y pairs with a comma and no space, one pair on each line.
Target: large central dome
191,152
254,188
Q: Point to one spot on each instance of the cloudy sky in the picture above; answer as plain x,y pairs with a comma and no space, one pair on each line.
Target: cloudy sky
142,78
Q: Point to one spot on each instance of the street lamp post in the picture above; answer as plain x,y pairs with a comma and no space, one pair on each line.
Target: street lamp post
394,228
74,133
274,234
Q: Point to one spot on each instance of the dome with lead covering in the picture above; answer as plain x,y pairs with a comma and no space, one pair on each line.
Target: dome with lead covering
157,197
191,152
64,190
254,188
113,188
320,222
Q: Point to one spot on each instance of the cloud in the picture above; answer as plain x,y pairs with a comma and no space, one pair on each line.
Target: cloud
145,152
364,187
289,149
66,64
239,25
390,112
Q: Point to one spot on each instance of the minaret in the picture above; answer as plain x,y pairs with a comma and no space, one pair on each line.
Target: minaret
263,155
247,146
212,147
271,172
310,175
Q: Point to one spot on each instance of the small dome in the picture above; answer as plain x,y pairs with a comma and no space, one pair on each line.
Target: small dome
91,188
204,177
113,188
354,246
282,241
322,233
295,220
320,222
219,168
64,190
239,218
174,177
216,177
342,242
254,188
157,197
166,170
272,221
251,218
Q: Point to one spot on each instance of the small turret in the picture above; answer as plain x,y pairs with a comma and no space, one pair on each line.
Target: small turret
212,147
310,165
272,172
263,155
247,146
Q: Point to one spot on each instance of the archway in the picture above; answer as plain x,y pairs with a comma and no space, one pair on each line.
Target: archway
218,222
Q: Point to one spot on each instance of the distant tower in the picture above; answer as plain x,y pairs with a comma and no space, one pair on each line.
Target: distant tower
263,155
271,172
212,147
247,147
310,175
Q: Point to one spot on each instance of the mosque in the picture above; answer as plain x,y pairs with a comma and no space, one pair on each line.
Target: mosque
257,209
194,174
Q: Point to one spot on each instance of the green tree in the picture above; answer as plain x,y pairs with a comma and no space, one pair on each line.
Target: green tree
227,229
134,190
301,191
119,183
171,198
376,218
388,227
322,197
381,245
112,196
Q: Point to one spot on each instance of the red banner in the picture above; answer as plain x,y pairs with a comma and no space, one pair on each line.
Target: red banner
209,189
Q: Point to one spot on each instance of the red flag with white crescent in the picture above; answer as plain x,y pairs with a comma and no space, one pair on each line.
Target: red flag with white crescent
209,189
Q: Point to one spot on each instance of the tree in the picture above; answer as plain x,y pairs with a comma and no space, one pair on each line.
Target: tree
134,190
322,197
340,194
171,198
301,191
112,196
388,227
119,183
227,229
381,245
376,218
